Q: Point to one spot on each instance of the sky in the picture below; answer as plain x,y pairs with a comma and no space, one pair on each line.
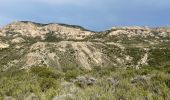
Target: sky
96,15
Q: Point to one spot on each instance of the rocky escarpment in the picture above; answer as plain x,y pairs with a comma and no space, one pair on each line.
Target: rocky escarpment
25,44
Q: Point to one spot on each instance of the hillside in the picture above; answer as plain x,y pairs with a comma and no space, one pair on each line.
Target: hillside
25,44
68,62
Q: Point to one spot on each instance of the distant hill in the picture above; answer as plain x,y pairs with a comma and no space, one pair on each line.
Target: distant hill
24,44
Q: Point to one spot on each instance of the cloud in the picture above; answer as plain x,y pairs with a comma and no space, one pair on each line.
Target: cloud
93,14
47,2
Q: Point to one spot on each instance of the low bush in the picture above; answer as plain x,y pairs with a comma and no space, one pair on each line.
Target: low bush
71,74
48,83
46,72
151,83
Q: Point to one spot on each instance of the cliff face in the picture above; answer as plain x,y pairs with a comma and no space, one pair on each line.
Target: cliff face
25,44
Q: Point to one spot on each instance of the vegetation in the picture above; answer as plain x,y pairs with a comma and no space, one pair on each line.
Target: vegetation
160,57
50,37
147,83
24,74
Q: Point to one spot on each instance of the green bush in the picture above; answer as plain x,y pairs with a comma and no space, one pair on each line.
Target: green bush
71,74
111,83
48,83
51,37
46,72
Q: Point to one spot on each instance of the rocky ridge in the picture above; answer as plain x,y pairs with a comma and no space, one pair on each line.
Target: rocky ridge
24,44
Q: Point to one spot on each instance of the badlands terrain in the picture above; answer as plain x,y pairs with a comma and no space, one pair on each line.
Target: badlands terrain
26,44
63,62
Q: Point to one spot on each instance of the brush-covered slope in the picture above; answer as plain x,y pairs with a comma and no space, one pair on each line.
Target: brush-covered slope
25,44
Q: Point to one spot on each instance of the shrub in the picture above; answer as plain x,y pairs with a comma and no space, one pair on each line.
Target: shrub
71,74
50,37
48,83
46,72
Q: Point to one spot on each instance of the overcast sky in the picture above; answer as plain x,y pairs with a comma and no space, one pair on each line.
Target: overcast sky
92,14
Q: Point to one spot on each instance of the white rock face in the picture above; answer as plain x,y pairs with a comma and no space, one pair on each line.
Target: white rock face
143,61
130,32
34,59
67,32
33,30
164,34
1,34
3,45
85,53
25,29
131,28
17,40
163,29
38,46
